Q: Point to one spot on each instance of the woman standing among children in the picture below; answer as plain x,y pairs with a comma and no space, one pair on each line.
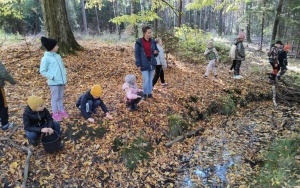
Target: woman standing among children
161,64
145,51
212,55
52,67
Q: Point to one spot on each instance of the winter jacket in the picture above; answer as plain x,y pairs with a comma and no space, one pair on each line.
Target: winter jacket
282,58
140,56
211,53
5,76
53,69
34,121
83,99
240,51
160,59
130,91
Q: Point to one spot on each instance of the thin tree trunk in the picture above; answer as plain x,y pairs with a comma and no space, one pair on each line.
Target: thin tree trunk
97,19
133,11
220,25
84,22
155,23
248,28
262,26
276,21
57,25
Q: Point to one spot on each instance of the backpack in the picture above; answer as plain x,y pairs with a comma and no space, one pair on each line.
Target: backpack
232,51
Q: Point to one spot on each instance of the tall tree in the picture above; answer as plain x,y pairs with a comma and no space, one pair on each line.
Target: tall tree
84,22
57,25
276,21
262,25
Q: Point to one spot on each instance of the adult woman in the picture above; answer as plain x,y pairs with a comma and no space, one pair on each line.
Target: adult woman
161,63
145,51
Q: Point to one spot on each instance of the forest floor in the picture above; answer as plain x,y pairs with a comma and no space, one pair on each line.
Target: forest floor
223,155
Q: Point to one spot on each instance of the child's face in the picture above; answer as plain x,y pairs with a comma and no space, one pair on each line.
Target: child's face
278,45
55,49
95,97
209,46
41,108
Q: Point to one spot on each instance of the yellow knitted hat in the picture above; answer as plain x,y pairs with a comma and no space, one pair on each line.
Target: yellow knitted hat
34,102
96,91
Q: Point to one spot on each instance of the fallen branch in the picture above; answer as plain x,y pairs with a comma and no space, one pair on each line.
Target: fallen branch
274,96
187,135
25,149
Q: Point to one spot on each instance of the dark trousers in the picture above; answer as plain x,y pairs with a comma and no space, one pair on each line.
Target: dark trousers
233,64
237,65
91,106
3,108
133,102
159,73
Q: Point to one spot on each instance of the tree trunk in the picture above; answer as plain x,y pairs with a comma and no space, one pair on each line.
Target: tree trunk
248,28
180,13
155,23
85,31
57,26
97,19
262,26
133,11
220,22
276,22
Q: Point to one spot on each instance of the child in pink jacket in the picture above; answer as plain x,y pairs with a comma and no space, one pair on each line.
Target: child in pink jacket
133,95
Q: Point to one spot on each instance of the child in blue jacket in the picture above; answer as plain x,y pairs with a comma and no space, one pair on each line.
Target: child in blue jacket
90,101
52,67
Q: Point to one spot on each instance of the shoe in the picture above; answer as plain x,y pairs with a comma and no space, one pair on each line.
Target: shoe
134,106
164,84
8,126
34,143
235,77
56,116
150,96
240,77
144,97
63,114
279,77
205,76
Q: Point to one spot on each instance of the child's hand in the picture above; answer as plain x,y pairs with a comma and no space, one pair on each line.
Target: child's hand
91,120
47,130
108,116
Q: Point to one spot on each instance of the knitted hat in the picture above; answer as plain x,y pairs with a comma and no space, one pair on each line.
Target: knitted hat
96,91
241,35
34,102
131,79
287,47
210,44
48,43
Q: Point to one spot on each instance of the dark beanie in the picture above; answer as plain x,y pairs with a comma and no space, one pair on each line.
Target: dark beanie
48,43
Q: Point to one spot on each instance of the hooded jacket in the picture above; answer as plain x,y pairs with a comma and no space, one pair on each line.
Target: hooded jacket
34,121
141,58
5,76
83,99
53,69
240,51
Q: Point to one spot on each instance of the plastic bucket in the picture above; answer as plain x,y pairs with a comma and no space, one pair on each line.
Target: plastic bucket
51,143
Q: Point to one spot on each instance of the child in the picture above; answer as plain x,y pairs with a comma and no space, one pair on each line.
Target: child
133,95
239,56
161,63
212,55
52,67
4,76
37,120
282,59
273,60
89,102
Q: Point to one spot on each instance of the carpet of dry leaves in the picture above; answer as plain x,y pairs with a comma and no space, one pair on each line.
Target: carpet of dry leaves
219,157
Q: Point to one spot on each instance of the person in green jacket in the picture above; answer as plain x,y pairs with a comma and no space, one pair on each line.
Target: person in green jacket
5,76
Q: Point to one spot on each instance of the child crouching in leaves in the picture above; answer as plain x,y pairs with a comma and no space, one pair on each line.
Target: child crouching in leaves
212,55
133,95
37,120
90,101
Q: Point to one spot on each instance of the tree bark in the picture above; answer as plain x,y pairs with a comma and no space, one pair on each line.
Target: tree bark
84,22
276,21
220,25
180,13
97,19
57,26
262,26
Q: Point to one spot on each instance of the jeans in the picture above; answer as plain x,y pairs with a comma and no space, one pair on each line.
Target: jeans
91,106
147,82
34,135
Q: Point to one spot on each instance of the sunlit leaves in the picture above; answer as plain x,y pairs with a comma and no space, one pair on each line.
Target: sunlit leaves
144,16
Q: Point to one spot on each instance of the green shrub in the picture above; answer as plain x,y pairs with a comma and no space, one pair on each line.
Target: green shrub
279,167
223,106
135,152
176,125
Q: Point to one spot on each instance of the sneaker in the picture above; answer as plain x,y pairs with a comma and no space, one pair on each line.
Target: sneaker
235,77
34,143
144,97
134,106
164,84
63,114
240,77
150,96
8,126
56,116
205,76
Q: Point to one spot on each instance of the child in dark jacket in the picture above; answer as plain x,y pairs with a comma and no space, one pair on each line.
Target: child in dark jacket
133,95
37,120
4,76
90,101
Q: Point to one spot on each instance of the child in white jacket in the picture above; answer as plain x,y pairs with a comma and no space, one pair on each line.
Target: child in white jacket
161,64
212,55
133,95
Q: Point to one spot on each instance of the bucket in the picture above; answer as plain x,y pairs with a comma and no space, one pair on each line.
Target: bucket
51,143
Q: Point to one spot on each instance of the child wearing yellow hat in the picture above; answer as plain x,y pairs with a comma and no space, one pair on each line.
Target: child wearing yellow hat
90,101
37,119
